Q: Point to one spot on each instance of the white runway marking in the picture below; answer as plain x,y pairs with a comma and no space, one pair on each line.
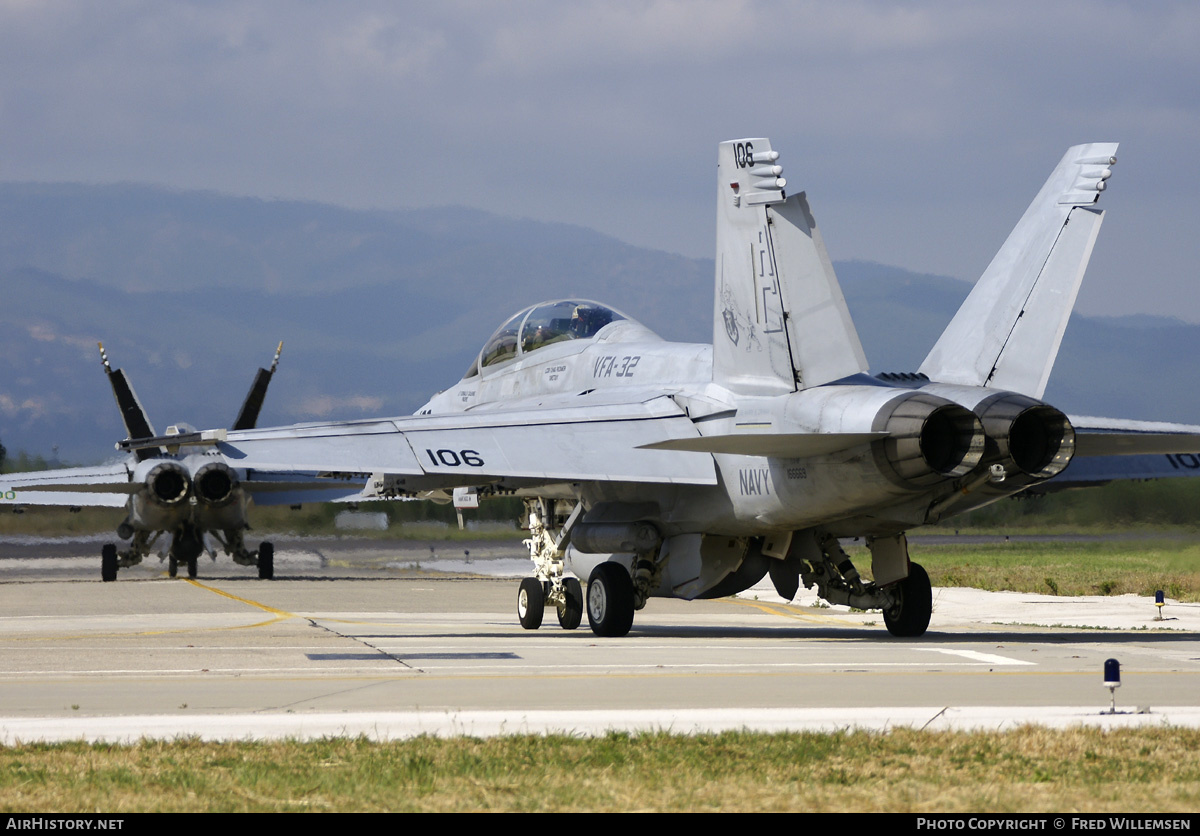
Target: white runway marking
985,658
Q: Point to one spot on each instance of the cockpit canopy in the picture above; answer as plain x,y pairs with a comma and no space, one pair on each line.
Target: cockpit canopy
541,325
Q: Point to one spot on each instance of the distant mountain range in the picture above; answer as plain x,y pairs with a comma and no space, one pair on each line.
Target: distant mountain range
190,291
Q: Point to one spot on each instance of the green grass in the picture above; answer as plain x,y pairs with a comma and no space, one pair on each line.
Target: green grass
1073,568
907,771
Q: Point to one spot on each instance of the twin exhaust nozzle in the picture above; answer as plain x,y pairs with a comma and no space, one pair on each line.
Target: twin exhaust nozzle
931,439
170,484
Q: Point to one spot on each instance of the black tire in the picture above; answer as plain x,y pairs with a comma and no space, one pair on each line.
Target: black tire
108,563
172,566
191,567
610,600
570,613
910,618
266,561
531,603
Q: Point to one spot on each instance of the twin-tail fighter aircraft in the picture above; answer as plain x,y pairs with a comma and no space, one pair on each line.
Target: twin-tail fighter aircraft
172,488
692,471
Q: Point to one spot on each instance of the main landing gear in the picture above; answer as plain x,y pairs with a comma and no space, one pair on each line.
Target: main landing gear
610,600
909,616
907,601
184,551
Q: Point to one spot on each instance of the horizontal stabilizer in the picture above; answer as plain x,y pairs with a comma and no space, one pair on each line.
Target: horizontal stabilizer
1007,333
781,445
172,442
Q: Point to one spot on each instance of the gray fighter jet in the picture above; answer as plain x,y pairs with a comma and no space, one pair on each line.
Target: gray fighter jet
174,490
653,468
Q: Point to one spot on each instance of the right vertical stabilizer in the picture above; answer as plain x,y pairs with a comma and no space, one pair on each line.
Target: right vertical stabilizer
247,417
1007,333
780,319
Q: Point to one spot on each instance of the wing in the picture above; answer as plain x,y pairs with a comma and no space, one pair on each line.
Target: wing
104,485
1107,449
596,440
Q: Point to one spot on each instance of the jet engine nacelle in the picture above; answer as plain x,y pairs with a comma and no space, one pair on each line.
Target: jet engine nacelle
161,504
929,439
1032,440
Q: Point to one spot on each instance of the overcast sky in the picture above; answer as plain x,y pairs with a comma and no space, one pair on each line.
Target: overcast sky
920,130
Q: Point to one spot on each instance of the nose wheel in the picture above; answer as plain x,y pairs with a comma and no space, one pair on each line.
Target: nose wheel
531,603
570,611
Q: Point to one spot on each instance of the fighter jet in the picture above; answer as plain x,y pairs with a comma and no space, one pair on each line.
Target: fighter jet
653,468
171,488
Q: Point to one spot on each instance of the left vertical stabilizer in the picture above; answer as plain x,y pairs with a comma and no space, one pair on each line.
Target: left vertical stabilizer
780,319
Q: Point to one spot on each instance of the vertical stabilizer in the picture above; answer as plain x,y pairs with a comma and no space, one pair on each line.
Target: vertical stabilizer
247,417
1007,333
133,415
780,320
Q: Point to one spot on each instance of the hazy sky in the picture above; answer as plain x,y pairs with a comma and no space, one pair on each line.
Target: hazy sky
920,130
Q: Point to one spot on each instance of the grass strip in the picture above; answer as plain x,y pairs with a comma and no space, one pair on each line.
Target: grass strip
1030,769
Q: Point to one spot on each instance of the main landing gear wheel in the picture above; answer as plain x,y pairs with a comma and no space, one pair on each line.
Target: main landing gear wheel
108,563
266,561
570,613
610,600
910,617
191,564
531,603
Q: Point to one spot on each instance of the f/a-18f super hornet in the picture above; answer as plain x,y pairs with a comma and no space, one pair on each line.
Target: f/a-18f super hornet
692,471
171,487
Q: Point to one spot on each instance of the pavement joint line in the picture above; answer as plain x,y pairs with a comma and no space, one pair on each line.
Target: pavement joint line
366,643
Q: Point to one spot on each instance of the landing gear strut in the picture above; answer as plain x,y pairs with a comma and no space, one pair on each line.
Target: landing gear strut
549,522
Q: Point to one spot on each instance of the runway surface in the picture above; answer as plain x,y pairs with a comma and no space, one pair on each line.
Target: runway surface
356,637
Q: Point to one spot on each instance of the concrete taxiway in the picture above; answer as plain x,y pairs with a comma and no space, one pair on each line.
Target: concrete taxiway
363,638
